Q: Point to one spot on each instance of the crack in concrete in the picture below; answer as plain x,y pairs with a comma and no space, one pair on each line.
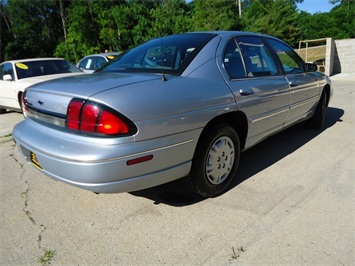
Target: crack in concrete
24,195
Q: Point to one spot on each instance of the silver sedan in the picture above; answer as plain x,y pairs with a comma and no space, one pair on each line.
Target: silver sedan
178,106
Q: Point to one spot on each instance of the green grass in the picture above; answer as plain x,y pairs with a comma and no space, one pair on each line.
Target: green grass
46,257
313,53
5,136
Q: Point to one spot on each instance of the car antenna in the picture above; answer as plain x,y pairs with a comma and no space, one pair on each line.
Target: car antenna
163,78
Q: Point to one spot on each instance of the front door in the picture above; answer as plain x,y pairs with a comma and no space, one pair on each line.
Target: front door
304,86
7,87
260,89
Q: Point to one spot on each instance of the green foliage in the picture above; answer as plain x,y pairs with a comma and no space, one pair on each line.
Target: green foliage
213,15
73,29
34,28
277,18
339,23
83,30
169,17
46,258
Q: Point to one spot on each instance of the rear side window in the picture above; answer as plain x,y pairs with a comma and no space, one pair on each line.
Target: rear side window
233,61
100,61
247,56
291,62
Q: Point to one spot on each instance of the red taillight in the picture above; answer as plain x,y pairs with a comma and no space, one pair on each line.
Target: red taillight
109,124
73,114
90,117
24,104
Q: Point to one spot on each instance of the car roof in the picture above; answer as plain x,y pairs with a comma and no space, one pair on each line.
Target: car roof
233,33
104,54
32,60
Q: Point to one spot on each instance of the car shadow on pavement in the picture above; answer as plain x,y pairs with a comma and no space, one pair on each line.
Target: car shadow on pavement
262,156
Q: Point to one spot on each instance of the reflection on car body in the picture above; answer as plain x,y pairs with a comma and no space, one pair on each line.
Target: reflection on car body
179,106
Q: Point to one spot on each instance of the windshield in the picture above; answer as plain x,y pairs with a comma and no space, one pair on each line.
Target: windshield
31,69
172,53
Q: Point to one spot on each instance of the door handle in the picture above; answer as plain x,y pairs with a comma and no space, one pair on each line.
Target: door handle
245,92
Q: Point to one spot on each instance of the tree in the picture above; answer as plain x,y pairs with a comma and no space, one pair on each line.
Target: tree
339,23
169,17
273,17
35,28
214,15
82,31
343,17
73,29
5,30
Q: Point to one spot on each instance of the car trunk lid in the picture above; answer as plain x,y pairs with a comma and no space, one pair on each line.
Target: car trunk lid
53,97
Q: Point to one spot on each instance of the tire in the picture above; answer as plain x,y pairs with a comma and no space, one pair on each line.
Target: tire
317,120
2,111
215,161
19,99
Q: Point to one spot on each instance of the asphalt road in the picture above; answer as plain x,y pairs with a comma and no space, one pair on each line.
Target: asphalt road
293,204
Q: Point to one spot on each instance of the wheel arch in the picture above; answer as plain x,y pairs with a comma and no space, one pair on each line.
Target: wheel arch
19,98
237,120
326,89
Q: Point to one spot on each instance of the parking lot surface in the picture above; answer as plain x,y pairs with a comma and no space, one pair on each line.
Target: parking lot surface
292,204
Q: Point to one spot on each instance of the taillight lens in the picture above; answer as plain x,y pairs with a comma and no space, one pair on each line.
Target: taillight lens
24,104
73,114
93,118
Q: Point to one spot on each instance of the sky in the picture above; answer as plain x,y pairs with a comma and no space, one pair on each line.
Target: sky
310,6
313,6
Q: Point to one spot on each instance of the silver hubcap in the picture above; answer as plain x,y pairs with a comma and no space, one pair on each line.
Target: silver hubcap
220,160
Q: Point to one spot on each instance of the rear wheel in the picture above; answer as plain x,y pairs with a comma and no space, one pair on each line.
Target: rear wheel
318,117
215,161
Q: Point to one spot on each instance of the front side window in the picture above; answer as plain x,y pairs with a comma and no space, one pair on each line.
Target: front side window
247,56
291,62
87,63
7,69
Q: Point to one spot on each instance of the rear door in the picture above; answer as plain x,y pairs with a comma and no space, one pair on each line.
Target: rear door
304,86
260,89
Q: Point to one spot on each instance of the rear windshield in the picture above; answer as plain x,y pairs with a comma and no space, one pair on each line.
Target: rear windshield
172,53
43,67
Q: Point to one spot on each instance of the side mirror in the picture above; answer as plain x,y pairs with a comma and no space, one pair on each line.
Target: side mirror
310,67
7,77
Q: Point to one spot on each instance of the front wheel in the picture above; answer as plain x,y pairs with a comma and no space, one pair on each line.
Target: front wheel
318,117
215,161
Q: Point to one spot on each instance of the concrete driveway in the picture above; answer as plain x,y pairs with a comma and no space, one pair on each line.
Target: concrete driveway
293,204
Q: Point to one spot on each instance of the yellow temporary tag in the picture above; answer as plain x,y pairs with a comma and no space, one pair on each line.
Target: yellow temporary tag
22,66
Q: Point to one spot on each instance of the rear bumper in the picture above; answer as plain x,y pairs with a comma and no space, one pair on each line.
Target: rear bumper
100,165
